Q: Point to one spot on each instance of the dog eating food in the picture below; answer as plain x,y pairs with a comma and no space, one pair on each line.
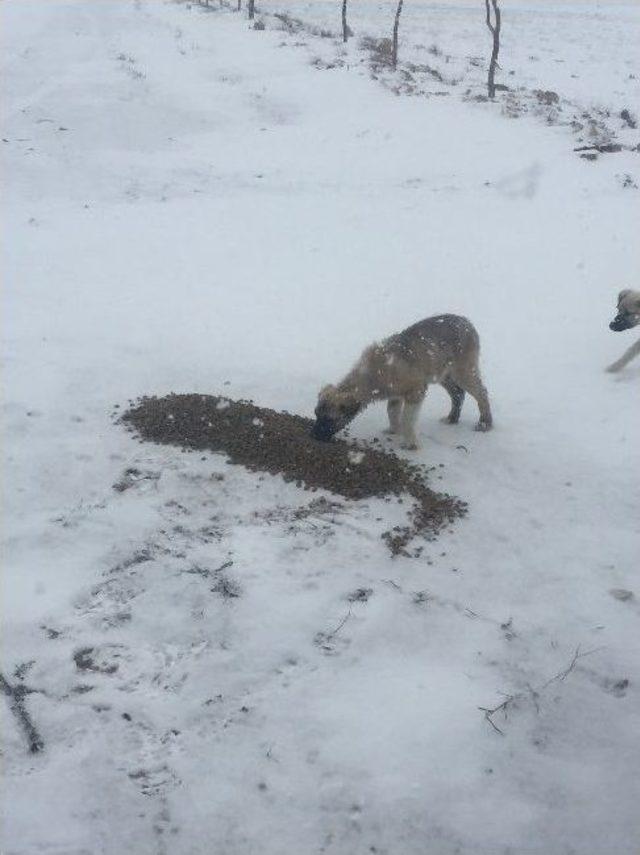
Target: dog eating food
263,440
443,349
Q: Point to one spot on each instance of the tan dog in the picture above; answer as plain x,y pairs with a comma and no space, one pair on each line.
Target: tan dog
443,349
628,316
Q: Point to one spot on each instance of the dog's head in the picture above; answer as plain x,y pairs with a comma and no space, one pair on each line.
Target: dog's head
628,311
334,411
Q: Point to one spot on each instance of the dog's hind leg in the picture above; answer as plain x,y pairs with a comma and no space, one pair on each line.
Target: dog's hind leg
394,411
456,393
626,358
410,412
471,382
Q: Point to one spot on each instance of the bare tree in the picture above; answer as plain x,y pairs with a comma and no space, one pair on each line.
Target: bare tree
239,5
396,24
494,28
251,6
345,26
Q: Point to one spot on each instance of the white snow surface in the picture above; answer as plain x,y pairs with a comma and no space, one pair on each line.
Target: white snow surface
192,205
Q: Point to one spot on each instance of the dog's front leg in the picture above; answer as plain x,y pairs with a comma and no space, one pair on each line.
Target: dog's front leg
626,358
394,411
410,413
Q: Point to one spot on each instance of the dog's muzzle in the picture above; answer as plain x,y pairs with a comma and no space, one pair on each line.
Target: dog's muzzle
620,323
323,430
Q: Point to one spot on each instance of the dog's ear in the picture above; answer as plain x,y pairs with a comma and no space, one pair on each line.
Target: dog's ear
624,293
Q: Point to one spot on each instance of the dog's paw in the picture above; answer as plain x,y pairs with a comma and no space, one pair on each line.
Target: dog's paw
450,420
390,431
483,427
410,445
613,368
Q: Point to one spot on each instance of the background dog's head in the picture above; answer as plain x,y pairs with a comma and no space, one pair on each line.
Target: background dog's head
628,311
334,411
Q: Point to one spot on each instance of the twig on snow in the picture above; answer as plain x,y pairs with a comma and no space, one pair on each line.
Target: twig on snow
534,694
490,712
16,696
205,572
335,631
562,675
603,148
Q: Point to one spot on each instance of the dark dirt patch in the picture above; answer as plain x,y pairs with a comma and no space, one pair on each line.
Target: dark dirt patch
51,633
21,671
264,440
602,148
321,509
380,50
618,688
360,595
86,661
208,572
621,594
288,23
319,519
629,119
546,96
138,557
423,68
226,587
132,476
82,689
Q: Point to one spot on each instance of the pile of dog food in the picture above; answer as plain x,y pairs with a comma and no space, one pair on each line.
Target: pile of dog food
263,440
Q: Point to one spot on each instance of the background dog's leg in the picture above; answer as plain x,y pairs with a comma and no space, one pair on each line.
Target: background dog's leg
626,358
410,413
472,383
456,393
394,411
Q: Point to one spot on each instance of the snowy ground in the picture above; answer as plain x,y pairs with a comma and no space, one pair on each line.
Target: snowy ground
191,205
566,48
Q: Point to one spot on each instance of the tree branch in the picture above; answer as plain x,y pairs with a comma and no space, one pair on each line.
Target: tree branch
16,696
534,693
334,632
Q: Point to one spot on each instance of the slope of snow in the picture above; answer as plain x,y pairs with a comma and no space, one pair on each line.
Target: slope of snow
191,205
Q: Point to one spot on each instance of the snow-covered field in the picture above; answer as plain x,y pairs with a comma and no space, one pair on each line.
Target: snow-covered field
584,51
192,205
